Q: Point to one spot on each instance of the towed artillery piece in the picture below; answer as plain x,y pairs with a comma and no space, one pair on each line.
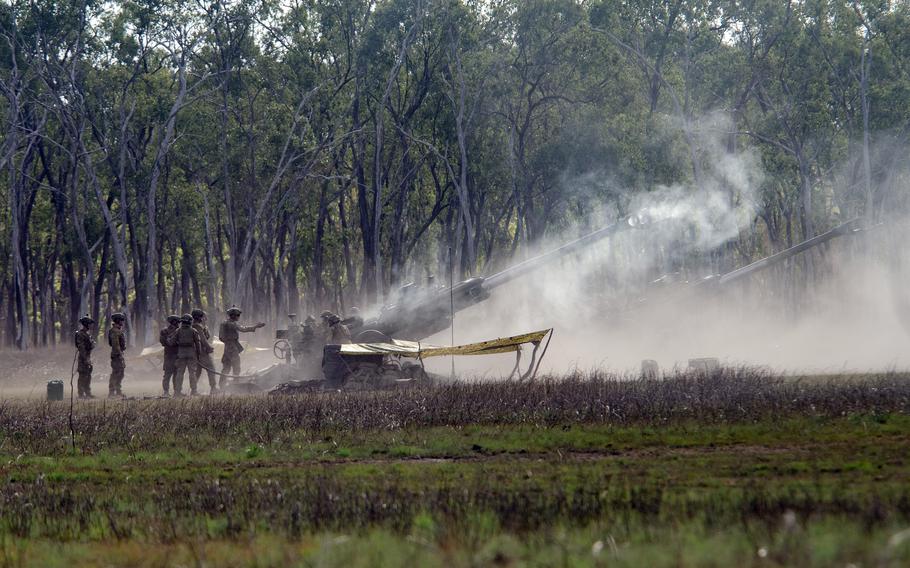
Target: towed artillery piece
373,361
717,282
851,227
372,366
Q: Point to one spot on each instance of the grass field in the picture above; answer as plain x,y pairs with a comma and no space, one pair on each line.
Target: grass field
739,468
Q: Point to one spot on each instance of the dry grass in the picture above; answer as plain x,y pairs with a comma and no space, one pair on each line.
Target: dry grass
727,396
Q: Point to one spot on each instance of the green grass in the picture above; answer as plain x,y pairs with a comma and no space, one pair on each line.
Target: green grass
525,476
813,543
817,436
252,485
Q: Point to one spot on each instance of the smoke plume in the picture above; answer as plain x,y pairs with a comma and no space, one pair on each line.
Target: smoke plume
631,297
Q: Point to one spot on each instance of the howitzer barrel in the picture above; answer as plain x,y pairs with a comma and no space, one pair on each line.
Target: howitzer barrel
530,264
430,313
847,228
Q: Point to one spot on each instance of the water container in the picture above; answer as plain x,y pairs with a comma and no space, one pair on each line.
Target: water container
55,390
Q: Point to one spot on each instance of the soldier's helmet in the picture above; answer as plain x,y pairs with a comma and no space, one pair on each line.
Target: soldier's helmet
234,311
118,317
173,318
310,319
198,314
186,318
326,315
86,320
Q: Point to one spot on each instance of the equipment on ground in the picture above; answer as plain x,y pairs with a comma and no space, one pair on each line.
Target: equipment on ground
399,363
378,361
55,390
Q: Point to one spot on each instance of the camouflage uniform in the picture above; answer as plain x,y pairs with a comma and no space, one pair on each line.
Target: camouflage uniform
294,338
117,340
306,337
186,340
84,345
170,356
229,333
308,352
337,333
205,356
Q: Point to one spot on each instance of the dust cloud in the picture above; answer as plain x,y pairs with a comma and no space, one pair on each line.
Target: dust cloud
852,323
841,307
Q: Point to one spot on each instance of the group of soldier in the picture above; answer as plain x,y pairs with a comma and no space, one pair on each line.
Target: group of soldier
85,343
308,339
188,348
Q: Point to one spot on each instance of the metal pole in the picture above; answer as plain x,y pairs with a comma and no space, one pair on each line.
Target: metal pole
452,305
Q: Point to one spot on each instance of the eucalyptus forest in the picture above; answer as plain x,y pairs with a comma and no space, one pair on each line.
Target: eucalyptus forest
293,155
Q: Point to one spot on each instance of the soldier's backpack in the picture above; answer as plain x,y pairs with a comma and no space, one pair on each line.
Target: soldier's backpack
185,337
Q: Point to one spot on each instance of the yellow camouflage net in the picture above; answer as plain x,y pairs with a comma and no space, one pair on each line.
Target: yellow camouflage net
423,350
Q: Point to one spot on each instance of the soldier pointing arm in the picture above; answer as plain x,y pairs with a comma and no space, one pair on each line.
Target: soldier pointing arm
229,334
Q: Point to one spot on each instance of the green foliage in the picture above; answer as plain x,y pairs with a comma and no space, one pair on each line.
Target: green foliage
309,130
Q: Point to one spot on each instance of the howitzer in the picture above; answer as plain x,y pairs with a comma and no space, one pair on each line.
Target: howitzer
417,315
851,227
716,281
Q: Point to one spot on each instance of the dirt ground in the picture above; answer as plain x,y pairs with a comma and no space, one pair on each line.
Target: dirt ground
25,374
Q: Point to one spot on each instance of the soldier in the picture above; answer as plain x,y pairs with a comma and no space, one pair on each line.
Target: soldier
308,353
205,357
117,340
295,337
170,351
336,333
354,319
229,333
85,342
308,332
186,340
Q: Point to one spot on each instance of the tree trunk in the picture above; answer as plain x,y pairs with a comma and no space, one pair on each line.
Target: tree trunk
167,137
317,283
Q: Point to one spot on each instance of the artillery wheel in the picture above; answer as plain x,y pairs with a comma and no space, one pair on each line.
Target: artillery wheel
372,336
282,349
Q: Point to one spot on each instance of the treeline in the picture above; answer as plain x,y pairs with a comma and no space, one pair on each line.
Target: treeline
291,155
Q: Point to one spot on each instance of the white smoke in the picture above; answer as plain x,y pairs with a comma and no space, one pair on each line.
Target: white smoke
605,313
717,206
